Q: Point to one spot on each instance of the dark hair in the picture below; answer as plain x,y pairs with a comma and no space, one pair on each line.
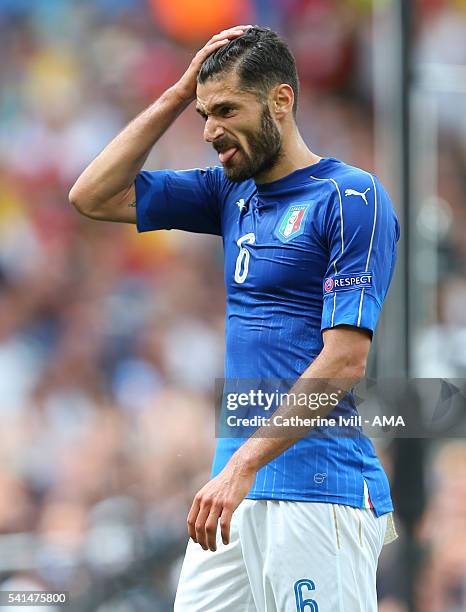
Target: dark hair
262,59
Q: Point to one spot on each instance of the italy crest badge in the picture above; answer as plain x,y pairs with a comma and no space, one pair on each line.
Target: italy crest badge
292,222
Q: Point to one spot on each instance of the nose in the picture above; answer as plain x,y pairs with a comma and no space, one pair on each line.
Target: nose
212,130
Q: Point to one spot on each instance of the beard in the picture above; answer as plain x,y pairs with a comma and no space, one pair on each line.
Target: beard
265,150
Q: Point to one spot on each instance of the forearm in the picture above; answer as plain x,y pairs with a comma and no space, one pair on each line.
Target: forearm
113,171
105,190
327,374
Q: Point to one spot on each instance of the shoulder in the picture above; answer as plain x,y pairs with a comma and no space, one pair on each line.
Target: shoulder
356,199
336,179
364,202
346,182
348,177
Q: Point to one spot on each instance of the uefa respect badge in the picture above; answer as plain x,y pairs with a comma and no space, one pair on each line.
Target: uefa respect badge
344,282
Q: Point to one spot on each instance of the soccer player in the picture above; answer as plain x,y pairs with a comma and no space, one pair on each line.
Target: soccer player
291,522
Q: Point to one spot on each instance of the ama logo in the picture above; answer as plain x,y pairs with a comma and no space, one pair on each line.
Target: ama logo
292,223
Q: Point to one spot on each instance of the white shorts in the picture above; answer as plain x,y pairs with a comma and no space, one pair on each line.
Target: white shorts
287,556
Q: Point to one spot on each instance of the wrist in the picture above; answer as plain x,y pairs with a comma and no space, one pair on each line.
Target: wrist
181,95
246,460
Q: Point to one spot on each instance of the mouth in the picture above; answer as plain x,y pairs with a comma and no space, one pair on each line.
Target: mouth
227,155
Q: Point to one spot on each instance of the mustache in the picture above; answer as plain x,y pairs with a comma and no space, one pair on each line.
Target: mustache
224,145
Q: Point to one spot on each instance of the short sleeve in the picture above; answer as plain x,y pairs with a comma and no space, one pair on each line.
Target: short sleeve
178,199
361,231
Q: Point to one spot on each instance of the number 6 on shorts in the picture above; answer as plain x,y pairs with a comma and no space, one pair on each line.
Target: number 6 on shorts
305,605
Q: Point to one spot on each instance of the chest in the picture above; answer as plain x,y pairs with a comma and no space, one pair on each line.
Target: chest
274,246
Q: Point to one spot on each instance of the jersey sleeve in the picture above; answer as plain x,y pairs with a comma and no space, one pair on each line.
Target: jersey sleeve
178,199
361,231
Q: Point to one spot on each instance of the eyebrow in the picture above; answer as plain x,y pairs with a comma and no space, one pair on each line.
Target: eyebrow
217,107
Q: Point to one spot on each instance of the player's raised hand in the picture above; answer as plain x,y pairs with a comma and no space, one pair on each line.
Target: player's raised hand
186,86
217,501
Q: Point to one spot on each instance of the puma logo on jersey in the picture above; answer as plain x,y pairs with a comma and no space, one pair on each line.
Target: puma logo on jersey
241,204
353,192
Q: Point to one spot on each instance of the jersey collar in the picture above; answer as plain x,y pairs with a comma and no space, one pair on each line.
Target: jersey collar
295,178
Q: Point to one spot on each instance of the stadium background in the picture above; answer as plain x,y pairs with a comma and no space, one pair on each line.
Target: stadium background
110,341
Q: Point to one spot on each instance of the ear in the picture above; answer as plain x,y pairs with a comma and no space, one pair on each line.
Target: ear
283,99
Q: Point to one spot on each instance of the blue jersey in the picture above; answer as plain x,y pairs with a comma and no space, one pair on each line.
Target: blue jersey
310,251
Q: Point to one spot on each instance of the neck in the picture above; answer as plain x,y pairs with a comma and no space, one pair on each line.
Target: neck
295,155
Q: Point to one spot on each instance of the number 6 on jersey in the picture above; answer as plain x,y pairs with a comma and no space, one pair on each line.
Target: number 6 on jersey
242,261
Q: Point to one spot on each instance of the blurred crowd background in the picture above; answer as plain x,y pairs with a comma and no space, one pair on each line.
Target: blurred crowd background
110,341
